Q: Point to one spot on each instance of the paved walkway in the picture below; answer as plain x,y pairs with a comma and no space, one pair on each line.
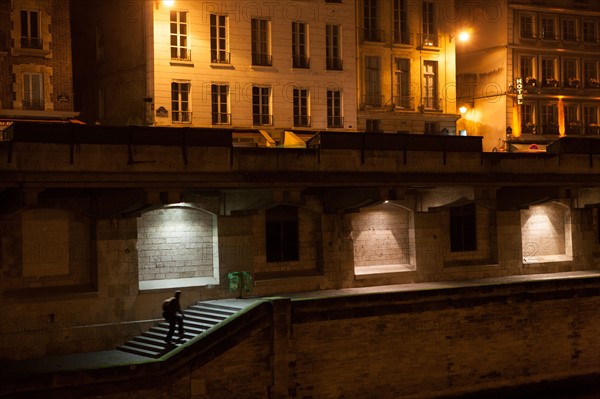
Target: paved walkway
111,358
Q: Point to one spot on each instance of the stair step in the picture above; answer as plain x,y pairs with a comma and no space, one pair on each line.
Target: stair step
205,315
218,306
158,347
138,351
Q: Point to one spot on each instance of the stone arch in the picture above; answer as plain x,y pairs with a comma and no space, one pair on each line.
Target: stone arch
177,247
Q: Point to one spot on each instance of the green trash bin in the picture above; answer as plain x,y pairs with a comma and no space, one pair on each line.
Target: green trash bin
234,281
240,282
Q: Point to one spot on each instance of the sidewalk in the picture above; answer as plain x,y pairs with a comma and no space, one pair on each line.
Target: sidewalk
116,358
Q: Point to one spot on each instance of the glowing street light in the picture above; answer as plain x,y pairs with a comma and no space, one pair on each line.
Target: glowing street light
168,3
463,36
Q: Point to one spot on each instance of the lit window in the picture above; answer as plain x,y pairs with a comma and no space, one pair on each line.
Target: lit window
301,117
402,74
261,42
430,37
220,105
300,45
549,118
549,72
179,36
334,109
430,89
218,39
333,47
569,69
180,102
32,91
373,96
261,106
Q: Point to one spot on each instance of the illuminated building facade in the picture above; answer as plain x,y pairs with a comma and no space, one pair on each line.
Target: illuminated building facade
537,65
230,64
406,68
35,60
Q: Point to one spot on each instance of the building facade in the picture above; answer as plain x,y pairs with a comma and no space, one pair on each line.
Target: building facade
35,60
406,66
242,65
538,65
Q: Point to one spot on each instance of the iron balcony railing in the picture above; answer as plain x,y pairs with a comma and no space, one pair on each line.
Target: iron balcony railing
404,102
219,118
372,101
34,104
261,59
300,61
373,35
402,37
182,117
262,119
427,40
219,57
431,103
335,121
31,42
301,121
334,64
181,54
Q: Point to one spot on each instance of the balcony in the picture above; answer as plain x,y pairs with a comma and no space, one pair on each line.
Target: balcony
181,117
404,103
592,83
335,121
181,54
219,57
302,121
219,118
261,59
334,64
300,61
373,35
262,120
33,104
572,83
592,129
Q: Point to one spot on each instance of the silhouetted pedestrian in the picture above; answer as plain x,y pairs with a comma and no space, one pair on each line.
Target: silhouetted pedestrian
173,314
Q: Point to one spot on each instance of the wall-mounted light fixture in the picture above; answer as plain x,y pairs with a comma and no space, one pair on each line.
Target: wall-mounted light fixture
463,109
462,36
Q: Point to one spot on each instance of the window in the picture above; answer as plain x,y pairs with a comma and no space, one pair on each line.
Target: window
371,21
372,83
526,25
30,29
432,128
430,37
590,74
527,70
463,228
179,36
569,77
220,105
402,74
401,32
590,119
261,105
590,31
334,109
569,30
32,91
548,28
548,72
430,90
261,42
373,125
180,102
301,117
549,119
528,119
300,45
333,48
282,237
218,39
572,124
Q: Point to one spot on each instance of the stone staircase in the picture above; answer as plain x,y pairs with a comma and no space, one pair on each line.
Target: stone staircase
198,318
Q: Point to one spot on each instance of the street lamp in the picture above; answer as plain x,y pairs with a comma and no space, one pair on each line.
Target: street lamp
168,3
462,36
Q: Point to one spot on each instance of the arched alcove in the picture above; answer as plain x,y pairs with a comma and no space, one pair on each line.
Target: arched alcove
177,247
546,233
383,239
